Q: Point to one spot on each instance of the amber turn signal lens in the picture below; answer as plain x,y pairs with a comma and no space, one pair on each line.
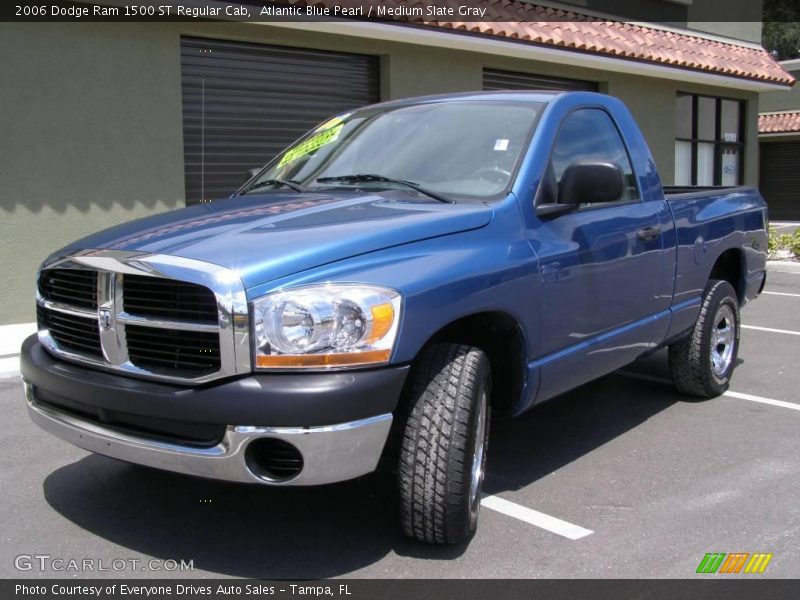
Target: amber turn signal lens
382,320
289,361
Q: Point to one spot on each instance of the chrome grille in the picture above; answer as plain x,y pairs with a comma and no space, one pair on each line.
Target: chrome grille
173,350
71,332
165,298
147,315
76,287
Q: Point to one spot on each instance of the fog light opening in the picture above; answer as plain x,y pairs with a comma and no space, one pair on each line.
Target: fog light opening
273,460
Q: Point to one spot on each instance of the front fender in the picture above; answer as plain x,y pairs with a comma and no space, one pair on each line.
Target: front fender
445,278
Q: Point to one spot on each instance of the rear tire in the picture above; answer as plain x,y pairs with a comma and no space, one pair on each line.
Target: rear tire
443,453
702,363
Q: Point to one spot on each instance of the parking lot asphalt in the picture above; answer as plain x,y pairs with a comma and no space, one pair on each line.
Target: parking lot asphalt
656,480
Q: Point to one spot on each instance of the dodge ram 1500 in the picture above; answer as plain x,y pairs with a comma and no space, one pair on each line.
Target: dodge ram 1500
382,286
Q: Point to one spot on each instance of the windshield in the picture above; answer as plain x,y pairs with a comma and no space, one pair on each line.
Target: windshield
456,149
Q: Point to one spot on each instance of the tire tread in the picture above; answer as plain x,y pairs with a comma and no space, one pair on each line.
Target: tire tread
434,470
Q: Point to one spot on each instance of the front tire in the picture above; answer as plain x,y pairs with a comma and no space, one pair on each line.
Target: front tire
702,364
443,453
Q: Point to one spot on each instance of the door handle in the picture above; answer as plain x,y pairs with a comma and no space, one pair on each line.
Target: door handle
648,233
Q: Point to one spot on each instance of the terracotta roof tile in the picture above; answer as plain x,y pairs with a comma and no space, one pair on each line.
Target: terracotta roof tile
547,26
783,122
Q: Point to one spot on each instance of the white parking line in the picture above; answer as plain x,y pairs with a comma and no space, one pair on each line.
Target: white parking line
770,401
9,367
771,330
781,294
536,518
12,336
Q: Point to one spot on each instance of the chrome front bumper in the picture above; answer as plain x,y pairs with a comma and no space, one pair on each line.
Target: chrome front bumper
330,454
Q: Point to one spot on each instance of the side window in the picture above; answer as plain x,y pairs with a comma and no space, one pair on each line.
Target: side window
590,134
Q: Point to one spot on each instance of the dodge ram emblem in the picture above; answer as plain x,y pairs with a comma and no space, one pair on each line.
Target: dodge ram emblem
104,317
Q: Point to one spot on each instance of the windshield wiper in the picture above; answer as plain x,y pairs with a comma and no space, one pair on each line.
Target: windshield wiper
368,177
284,182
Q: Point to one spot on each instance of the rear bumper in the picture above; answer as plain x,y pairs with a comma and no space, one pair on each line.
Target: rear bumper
338,423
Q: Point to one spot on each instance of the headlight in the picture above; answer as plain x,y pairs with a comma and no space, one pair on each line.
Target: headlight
329,325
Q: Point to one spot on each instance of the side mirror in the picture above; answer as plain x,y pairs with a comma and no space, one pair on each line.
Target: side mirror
546,201
590,183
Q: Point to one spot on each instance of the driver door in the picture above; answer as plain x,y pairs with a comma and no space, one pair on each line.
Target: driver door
600,264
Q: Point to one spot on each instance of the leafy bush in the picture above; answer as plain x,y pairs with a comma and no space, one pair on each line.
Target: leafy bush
772,245
793,244
783,242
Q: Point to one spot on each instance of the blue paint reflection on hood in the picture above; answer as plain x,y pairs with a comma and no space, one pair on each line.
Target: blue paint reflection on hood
268,236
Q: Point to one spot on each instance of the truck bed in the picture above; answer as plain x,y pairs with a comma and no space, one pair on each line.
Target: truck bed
707,218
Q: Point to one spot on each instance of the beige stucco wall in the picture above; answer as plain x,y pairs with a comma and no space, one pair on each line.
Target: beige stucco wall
90,120
788,99
91,137
749,31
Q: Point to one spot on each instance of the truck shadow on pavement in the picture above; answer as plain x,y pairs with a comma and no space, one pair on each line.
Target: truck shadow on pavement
560,431
260,532
226,528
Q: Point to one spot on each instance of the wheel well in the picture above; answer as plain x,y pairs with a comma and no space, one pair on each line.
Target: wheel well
729,268
499,335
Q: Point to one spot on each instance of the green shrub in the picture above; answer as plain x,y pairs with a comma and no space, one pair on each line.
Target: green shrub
783,242
793,244
772,246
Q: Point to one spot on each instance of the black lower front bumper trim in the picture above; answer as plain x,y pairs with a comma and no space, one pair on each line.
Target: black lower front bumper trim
271,399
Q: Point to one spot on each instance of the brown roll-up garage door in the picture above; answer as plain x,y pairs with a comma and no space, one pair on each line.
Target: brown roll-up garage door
495,80
243,103
780,179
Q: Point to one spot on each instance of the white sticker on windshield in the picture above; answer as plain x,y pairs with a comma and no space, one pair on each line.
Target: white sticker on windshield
501,145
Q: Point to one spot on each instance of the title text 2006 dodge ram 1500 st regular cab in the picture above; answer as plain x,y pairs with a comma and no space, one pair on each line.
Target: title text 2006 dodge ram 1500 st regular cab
381,285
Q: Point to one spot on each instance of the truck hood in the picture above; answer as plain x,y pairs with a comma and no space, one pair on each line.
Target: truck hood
266,237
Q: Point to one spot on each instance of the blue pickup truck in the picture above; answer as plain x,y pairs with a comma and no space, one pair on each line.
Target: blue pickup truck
382,287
